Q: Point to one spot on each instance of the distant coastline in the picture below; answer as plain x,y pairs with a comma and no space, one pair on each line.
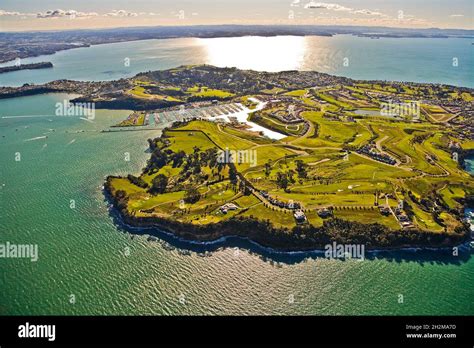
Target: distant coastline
50,42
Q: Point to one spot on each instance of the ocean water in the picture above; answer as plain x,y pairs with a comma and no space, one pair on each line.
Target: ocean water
470,165
447,61
83,254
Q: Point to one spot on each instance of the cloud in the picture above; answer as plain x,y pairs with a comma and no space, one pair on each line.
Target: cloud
121,13
148,14
456,15
337,7
61,14
295,3
373,16
71,14
327,6
368,13
15,13
6,13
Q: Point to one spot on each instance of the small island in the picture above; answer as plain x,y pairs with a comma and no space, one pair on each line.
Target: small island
42,65
298,160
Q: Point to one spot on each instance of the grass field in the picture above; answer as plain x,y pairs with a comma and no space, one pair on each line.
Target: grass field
141,92
352,183
250,136
279,218
188,140
367,216
208,92
451,193
222,139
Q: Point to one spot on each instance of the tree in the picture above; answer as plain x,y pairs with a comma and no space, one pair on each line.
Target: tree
244,188
290,176
196,168
137,181
268,168
152,144
178,158
212,155
159,184
282,181
192,195
158,158
232,174
301,168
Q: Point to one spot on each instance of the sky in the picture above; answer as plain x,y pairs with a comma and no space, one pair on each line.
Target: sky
21,15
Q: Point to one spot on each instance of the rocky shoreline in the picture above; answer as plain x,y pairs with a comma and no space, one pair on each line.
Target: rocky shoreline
299,239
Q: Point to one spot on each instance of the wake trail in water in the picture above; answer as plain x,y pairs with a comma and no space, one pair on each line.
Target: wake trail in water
36,138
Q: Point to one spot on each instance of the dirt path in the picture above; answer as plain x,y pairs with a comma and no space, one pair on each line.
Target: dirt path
379,142
319,162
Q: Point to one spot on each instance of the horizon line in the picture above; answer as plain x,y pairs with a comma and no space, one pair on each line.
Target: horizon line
234,25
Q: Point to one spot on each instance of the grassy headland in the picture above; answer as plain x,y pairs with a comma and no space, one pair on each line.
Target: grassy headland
339,175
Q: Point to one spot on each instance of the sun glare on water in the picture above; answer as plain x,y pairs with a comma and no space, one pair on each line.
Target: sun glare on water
256,53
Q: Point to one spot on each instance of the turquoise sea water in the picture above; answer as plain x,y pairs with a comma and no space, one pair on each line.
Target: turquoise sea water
83,253
447,61
470,165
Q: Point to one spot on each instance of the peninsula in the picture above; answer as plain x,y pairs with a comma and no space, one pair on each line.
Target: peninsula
42,65
341,170
291,160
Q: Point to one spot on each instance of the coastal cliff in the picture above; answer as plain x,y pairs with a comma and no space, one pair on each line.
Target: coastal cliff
300,238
